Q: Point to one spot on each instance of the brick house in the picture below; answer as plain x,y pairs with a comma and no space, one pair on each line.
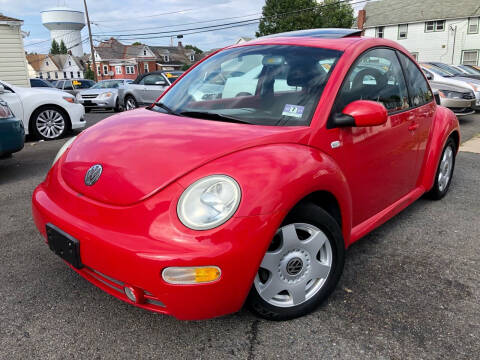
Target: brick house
118,61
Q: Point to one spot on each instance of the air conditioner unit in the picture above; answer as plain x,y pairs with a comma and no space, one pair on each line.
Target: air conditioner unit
111,73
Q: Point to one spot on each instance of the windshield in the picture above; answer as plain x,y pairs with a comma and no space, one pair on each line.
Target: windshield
451,69
107,84
261,85
437,70
469,70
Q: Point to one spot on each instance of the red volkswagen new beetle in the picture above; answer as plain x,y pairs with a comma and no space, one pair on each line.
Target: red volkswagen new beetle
250,176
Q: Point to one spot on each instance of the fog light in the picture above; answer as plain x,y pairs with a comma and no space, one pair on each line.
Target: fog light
191,275
133,294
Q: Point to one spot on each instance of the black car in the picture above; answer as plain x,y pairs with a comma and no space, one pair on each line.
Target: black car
40,83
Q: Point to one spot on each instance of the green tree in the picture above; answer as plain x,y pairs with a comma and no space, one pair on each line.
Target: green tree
89,72
289,15
194,48
55,49
63,48
336,14
185,67
137,43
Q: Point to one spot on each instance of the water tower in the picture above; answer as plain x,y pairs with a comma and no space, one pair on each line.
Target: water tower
65,24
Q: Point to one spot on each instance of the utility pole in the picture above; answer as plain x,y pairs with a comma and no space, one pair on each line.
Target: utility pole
91,42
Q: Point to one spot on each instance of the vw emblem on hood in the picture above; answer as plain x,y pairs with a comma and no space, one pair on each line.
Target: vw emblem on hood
93,174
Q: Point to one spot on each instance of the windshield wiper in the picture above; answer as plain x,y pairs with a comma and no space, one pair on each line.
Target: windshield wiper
166,108
213,116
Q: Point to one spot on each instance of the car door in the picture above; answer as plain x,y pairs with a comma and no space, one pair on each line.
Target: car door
422,112
154,86
377,160
14,102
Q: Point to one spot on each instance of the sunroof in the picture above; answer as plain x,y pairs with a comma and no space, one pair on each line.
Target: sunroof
320,33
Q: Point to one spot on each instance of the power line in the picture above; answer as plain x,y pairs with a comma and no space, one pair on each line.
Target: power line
148,16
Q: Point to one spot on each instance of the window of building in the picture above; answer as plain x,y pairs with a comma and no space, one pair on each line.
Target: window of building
65,75
470,57
192,57
414,55
379,31
48,75
98,70
130,69
118,69
473,25
144,52
402,31
46,63
145,67
78,74
40,75
438,25
56,75
105,69
166,58
71,75
69,63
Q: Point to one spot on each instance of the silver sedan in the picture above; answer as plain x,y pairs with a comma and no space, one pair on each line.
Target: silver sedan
102,95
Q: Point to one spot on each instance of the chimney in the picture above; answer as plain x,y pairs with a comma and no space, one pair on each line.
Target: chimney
180,44
361,19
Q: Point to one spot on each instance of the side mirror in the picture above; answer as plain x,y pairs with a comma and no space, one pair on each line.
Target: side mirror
362,113
2,89
436,95
429,76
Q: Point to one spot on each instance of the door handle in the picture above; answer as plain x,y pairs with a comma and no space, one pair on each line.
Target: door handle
413,126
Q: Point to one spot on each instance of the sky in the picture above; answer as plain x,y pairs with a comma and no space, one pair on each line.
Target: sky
126,16
110,17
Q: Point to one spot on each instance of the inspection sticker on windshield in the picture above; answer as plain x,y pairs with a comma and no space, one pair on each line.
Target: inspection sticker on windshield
293,110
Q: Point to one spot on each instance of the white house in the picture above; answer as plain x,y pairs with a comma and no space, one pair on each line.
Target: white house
13,65
69,66
44,67
431,30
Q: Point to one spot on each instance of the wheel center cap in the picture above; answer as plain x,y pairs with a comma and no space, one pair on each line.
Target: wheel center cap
294,266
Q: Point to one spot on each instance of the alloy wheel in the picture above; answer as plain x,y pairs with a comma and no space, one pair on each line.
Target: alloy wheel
130,104
295,267
50,124
446,167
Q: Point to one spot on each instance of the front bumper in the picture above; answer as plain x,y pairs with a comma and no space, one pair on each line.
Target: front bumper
12,136
460,107
76,112
132,245
98,103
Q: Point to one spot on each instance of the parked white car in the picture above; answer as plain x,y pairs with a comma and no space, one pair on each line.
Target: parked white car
46,114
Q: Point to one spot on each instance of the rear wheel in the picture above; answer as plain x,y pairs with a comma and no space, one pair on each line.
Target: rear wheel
301,267
444,174
130,103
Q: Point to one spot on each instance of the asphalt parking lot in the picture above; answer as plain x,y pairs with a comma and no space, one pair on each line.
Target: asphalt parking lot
410,289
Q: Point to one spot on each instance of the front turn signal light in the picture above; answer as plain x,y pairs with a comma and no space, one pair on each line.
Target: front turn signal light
191,275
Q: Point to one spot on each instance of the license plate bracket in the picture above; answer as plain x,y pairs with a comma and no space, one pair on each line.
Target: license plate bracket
64,245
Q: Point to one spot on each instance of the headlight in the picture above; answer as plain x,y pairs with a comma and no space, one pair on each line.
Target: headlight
63,149
69,99
106,95
209,202
78,97
450,94
5,111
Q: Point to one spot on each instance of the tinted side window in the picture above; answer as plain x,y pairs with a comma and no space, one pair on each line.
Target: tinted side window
377,76
68,85
153,79
420,93
59,84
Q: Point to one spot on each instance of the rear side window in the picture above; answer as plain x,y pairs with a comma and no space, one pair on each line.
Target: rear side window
420,93
376,76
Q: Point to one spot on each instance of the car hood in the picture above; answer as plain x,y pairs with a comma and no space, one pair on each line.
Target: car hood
97,91
439,85
142,151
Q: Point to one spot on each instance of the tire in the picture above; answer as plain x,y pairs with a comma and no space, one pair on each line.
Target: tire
311,264
130,103
117,107
444,174
49,123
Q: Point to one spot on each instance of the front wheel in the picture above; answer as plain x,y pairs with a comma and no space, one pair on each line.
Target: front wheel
444,174
49,123
301,267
